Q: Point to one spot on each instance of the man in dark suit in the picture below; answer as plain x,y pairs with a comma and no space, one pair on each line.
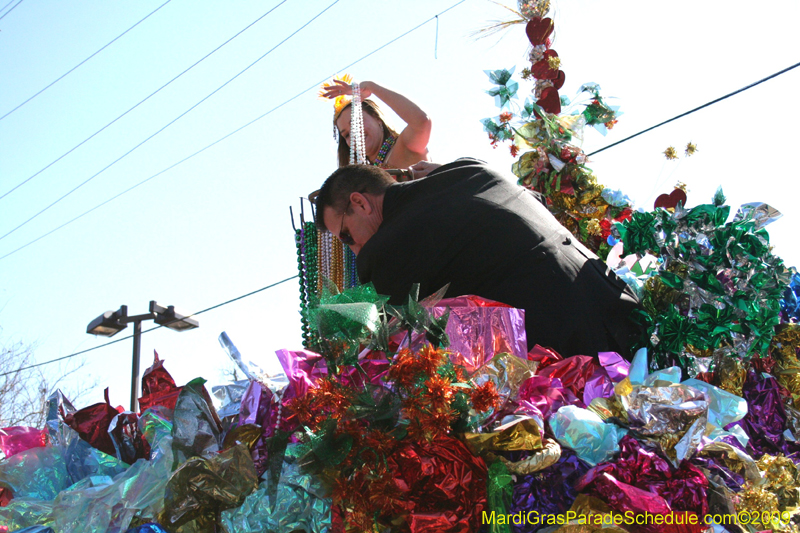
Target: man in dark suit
466,225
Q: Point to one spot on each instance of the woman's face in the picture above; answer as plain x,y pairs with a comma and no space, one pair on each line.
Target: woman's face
373,131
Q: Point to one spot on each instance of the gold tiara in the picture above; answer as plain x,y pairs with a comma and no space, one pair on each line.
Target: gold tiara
339,102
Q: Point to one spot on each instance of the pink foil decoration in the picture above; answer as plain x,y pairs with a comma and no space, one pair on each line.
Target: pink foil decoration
18,439
302,368
546,394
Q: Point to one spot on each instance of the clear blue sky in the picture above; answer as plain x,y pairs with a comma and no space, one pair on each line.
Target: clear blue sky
217,226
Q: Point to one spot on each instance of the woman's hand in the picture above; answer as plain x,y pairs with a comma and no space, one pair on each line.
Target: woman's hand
422,169
341,88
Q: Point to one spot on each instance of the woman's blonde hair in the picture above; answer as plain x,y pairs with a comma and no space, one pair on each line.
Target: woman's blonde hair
367,106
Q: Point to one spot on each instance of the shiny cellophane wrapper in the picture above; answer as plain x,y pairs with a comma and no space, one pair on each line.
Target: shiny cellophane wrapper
197,431
99,502
675,417
442,486
298,506
584,432
479,329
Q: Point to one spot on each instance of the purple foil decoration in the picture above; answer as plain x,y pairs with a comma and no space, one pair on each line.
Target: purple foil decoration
549,491
257,408
765,421
732,480
479,329
601,384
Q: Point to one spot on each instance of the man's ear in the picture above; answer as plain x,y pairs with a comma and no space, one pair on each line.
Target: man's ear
361,203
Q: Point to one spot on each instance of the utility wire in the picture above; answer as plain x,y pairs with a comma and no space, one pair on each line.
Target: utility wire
10,10
173,121
142,101
721,98
237,130
147,330
85,60
5,6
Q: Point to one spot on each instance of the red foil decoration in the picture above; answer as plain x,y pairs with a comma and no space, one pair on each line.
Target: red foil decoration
573,372
544,356
158,387
443,486
92,423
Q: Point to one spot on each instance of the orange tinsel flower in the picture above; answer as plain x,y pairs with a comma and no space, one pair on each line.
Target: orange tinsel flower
409,367
485,397
306,412
329,398
439,392
505,117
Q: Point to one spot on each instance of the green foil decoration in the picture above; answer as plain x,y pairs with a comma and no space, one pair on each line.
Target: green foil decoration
717,288
499,490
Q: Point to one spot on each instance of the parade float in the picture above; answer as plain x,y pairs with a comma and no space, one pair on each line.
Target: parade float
434,416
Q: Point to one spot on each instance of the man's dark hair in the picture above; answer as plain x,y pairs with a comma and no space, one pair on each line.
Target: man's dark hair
346,180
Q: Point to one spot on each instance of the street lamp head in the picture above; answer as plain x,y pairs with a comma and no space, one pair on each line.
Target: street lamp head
169,318
109,323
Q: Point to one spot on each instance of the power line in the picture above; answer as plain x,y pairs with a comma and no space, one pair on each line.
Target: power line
142,101
147,330
5,6
84,61
170,123
10,10
126,154
237,130
787,69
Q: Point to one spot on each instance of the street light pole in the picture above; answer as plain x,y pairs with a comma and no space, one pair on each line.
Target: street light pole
137,348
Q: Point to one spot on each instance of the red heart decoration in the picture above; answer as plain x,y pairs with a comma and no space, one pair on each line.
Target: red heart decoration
671,200
541,70
550,101
558,81
538,30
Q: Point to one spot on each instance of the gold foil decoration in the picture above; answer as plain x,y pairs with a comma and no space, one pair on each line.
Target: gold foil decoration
547,456
524,434
781,478
671,153
752,498
623,388
729,375
585,506
607,408
785,342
